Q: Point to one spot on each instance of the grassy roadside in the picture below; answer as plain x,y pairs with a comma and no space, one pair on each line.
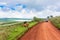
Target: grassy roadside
56,22
19,30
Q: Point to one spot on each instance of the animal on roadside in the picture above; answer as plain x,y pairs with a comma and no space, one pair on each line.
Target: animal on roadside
25,24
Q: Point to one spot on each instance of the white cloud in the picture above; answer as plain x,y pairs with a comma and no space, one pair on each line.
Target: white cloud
19,8
3,3
16,14
48,12
30,14
36,4
25,14
33,3
50,7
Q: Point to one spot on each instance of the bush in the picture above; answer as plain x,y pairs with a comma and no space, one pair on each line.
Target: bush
3,35
56,21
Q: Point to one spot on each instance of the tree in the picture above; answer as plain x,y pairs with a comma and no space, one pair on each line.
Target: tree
48,17
36,19
51,16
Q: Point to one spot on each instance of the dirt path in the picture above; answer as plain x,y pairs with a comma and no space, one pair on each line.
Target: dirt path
42,31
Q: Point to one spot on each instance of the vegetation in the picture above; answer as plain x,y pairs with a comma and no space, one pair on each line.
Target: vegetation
13,30
56,21
37,19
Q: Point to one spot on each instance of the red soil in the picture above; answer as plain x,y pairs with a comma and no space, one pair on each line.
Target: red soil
42,31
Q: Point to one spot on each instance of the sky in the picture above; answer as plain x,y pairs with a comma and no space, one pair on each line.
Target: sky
29,8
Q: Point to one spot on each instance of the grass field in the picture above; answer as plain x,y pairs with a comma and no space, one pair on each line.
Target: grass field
56,21
13,30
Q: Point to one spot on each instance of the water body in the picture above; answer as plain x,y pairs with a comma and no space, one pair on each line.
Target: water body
14,19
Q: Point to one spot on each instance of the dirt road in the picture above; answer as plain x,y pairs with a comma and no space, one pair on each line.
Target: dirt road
42,31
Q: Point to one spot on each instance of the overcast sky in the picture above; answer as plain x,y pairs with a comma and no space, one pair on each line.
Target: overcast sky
29,8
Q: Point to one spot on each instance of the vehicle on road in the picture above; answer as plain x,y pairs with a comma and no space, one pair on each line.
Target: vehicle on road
46,20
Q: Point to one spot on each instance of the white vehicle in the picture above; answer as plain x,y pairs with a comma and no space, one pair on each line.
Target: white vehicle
46,20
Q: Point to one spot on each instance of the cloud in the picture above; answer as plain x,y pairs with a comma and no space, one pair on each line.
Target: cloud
16,14
29,8
30,14
6,7
36,4
39,5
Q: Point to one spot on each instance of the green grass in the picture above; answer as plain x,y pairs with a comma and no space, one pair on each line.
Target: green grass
32,23
56,21
18,31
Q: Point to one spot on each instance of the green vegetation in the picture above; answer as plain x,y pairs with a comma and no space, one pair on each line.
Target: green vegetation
56,21
37,19
13,30
19,30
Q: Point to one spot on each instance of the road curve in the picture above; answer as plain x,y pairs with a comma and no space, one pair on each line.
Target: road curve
42,31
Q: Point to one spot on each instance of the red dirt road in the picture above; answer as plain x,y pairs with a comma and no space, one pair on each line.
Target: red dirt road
42,31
